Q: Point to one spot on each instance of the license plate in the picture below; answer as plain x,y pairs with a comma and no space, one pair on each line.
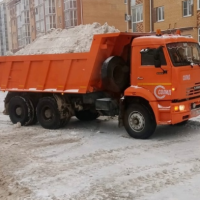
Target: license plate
195,112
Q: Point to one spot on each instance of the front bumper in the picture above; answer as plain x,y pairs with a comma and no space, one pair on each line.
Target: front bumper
188,113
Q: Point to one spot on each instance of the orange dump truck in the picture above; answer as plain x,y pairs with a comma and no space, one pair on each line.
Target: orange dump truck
145,79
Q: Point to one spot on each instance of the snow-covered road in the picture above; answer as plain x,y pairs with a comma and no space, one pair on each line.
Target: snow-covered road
98,160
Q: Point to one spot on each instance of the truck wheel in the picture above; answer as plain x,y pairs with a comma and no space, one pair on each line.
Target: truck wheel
48,114
86,115
20,110
139,121
115,74
34,117
64,122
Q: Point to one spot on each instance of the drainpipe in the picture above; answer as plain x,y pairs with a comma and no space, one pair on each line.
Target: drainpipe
81,11
127,11
150,17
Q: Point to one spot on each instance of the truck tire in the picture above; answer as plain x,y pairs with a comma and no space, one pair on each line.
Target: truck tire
64,122
20,110
115,74
139,121
48,114
34,118
86,115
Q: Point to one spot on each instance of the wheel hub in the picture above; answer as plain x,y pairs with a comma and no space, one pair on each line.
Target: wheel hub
136,121
47,113
19,111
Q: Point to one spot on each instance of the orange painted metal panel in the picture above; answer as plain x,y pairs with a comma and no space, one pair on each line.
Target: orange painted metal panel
67,73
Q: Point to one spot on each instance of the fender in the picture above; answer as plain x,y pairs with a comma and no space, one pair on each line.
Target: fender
135,91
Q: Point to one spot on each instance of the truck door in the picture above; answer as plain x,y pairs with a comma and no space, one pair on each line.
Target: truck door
157,80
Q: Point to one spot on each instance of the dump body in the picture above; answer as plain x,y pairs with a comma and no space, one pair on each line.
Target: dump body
63,73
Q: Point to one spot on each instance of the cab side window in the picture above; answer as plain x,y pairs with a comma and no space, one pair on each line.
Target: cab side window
147,57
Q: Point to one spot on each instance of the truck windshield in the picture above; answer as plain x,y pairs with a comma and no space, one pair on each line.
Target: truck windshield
184,53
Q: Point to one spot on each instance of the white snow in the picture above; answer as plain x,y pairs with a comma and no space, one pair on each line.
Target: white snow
72,90
57,41
97,160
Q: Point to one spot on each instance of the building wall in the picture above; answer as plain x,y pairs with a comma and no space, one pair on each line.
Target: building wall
143,26
60,14
32,21
173,17
110,11
4,46
13,25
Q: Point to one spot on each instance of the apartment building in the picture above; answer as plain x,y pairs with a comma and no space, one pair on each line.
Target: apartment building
179,14
138,15
150,15
31,18
4,45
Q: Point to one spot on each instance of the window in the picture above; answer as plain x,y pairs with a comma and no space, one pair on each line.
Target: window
184,53
187,8
50,22
160,13
198,4
70,7
137,16
147,57
50,7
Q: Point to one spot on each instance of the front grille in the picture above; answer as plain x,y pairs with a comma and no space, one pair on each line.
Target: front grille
196,106
195,90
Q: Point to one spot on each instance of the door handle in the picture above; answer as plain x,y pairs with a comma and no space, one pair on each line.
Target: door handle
140,78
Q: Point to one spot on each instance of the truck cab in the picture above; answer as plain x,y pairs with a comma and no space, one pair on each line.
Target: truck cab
165,79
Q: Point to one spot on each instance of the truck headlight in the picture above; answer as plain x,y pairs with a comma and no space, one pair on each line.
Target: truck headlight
182,107
179,108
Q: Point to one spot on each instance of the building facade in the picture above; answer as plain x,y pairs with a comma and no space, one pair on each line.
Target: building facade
138,15
4,45
169,16
31,18
110,11
150,15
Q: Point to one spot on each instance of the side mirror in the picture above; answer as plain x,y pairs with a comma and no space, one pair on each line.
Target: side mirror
157,61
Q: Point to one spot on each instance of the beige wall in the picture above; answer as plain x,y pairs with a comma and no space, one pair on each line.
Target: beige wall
9,29
32,21
174,15
110,11
60,14
173,12
146,15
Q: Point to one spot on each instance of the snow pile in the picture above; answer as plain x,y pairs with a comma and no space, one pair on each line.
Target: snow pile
72,40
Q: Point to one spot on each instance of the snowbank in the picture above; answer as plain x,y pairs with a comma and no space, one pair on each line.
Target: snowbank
72,40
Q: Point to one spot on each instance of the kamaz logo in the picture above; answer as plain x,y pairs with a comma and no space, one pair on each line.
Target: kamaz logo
197,87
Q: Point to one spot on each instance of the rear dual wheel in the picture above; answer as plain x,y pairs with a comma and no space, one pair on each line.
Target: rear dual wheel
22,110
49,115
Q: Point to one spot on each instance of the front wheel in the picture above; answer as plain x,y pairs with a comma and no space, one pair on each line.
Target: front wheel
139,121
